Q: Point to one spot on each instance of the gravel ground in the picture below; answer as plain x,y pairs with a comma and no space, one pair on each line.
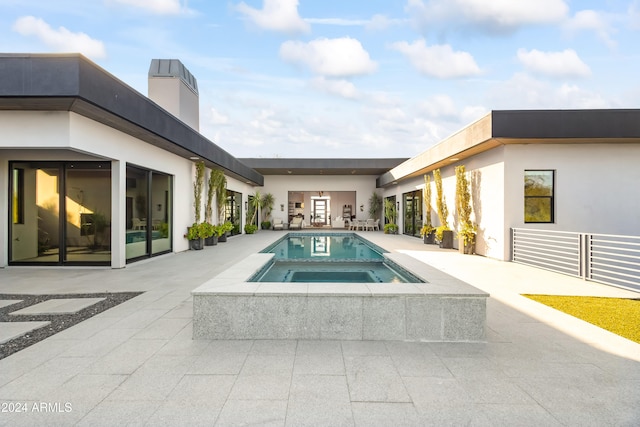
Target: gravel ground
59,322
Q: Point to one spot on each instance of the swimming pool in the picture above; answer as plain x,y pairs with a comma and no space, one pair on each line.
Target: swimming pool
329,258
329,246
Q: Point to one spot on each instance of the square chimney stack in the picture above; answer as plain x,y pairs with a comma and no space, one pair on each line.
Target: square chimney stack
175,89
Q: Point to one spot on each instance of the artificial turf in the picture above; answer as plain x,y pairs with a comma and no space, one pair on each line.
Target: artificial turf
618,315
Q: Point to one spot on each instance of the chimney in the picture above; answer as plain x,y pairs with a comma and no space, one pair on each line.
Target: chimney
175,89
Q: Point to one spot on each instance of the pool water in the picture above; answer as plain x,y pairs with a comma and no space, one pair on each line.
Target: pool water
334,246
329,258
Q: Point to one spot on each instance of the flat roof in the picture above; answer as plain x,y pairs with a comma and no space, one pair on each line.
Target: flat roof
503,127
323,166
70,82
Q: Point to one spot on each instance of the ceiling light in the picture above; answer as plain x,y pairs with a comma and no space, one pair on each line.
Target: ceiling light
194,158
454,159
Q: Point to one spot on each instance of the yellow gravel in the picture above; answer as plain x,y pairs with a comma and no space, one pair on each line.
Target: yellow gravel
618,315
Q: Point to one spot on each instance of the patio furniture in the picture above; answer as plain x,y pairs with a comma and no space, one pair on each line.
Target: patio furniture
296,223
376,225
369,224
278,224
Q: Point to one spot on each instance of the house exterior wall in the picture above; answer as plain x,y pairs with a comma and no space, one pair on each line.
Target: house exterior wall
596,186
280,185
595,190
67,136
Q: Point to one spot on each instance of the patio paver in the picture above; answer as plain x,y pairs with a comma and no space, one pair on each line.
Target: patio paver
138,364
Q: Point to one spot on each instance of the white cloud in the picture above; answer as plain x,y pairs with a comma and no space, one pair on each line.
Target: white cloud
376,23
489,16
341,57
525,92
439,61
554,64
439,106
276,15
61,40
340,87
218,118
591,20
634,15
159,7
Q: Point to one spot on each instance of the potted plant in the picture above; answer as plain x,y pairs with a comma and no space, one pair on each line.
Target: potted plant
428,231
194,232
267,206
466,229
208,228
444,234
375,205
209,234
194,235
255,203
222,230
250,228
390,228
390,214
428,234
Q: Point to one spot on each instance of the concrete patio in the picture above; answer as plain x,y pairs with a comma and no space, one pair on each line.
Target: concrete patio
136,363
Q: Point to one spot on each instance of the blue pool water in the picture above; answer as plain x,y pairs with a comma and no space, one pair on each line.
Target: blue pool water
331,257
330,246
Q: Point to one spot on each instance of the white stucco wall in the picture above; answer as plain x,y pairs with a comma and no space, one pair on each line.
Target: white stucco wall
280,185
597,186
486,176
67,136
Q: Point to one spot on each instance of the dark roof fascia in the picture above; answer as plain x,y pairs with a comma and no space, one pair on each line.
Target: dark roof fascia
566,124
51,82
322,166
532,127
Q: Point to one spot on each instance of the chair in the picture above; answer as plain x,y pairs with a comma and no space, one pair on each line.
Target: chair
376,225
347,223
296,223
369,225
139,224
278,224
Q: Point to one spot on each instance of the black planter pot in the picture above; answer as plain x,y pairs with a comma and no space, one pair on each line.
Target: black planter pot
211,241
430,239
196,244
222,238
447,239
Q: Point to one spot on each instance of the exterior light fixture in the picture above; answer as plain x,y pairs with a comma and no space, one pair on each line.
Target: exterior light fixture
194,158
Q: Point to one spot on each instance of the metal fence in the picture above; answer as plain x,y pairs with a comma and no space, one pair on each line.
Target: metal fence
605,258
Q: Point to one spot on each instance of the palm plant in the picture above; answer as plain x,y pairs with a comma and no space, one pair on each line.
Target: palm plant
375,205
266,204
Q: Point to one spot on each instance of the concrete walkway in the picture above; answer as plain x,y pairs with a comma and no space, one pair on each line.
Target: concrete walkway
136,364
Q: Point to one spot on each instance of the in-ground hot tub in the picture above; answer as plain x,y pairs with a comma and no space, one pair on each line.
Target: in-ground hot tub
436,308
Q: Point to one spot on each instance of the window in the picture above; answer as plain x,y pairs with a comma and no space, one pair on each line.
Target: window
18,196
538,196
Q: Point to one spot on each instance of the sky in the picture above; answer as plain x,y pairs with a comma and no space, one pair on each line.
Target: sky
350,79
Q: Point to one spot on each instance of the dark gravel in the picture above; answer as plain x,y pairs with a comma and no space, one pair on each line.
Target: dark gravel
59,322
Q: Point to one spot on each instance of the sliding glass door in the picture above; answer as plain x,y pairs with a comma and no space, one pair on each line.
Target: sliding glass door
148,213
412,213
61,213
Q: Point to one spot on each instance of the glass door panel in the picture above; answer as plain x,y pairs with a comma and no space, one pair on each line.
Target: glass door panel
320,212
35,228
233,210
161,213
88,213
137,213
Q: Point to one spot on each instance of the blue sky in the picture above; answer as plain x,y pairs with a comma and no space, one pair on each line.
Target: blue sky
318,78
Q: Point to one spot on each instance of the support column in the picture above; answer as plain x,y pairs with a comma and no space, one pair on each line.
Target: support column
118,214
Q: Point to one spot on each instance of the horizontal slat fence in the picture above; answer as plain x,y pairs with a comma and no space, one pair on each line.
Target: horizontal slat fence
605,258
